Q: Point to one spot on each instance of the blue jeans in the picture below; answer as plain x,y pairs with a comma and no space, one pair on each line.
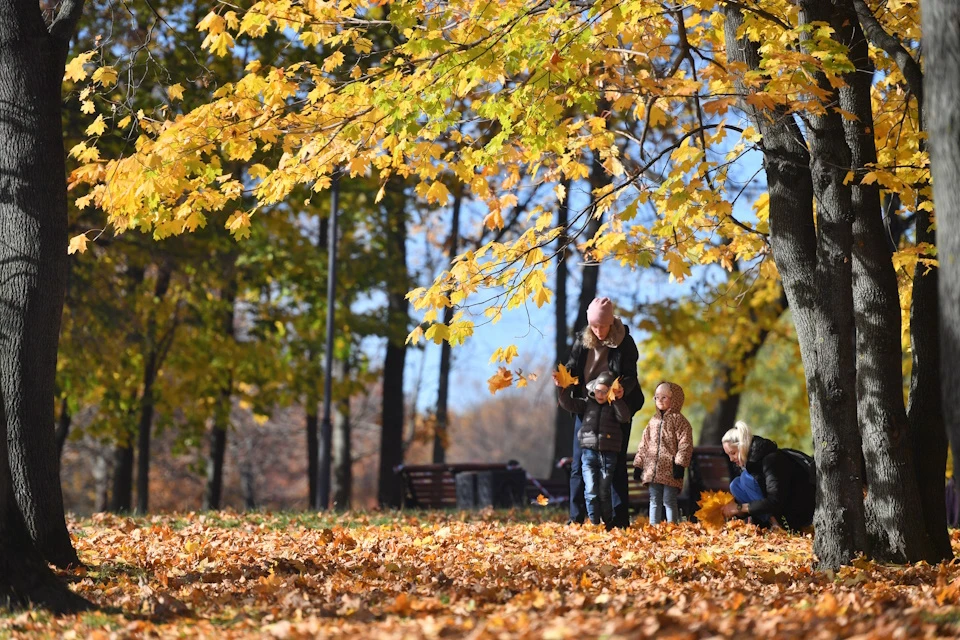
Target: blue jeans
578,507
666,496
745,488
598,468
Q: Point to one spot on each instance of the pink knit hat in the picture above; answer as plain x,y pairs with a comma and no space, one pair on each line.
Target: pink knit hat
600,312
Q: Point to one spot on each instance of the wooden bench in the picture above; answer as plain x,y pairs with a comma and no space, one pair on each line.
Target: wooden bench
434,486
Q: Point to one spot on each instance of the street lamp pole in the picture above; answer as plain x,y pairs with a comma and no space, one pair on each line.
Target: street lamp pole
325,440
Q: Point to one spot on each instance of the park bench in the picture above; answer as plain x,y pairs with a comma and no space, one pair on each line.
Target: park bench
434,486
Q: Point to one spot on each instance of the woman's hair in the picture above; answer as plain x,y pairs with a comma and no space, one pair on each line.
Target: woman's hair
741,436
590,340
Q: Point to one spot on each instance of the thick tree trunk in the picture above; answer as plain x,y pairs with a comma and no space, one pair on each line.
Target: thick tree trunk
441,437
33,267
392,409
221,412
894,513
924,408
941,82
155,355
562,420
33,225
342,486
837,444
817,282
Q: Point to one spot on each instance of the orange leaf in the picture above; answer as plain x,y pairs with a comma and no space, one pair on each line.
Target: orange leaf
711,502
563,377
612,393
500,380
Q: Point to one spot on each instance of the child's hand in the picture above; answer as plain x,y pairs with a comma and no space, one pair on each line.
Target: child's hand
638,474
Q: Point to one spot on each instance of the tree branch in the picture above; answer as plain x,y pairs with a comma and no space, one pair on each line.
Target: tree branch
880,38
65,24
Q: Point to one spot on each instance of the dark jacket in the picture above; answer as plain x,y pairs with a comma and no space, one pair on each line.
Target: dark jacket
789,495
602,423
621,361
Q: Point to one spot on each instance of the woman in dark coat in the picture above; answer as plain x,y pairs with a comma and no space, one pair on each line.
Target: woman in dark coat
604,345
775,485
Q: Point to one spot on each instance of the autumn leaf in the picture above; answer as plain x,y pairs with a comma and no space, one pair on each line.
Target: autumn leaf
563,377
97,127
711,502
614,388
78,244
543,500
175,92
502,379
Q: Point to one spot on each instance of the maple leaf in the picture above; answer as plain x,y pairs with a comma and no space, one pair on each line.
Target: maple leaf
711,502
78,244
97,127
612,393
502,379
563,377
543,500
175,92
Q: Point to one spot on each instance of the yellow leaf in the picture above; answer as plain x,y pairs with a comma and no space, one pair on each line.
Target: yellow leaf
124,122
87,107
500,380
612,393
175,92
542,500
77,244
97,127
493,220
438,193
107,76
711,502
74,69
563,377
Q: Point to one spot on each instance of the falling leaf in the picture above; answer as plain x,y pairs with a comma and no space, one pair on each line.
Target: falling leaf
543,500
78,244
502,379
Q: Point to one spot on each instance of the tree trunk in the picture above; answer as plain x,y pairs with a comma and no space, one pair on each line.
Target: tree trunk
313,444
392,411
563,423
121,496
33,260
248,485
342,454
818,286
894,513
441,437
599,178
155,354
221,413
941,83
63,426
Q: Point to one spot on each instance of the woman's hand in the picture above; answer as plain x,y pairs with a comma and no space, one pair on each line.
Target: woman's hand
618,391
730,509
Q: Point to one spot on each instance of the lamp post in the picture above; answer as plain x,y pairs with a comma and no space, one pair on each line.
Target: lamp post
324,442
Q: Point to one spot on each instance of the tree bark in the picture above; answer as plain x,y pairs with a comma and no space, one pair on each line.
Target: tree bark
121,494
221,413
837,444
817,282
342,450
313,443
440,437
895,522
392,408
33,261
941,82
33,264
924,408
563,423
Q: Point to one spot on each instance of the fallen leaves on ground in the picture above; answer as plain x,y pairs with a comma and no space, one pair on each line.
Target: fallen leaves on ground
481,575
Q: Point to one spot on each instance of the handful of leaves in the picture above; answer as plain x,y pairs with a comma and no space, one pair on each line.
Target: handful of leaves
563,377
711,502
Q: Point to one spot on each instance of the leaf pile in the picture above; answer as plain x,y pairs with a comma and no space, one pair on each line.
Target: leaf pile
482,575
